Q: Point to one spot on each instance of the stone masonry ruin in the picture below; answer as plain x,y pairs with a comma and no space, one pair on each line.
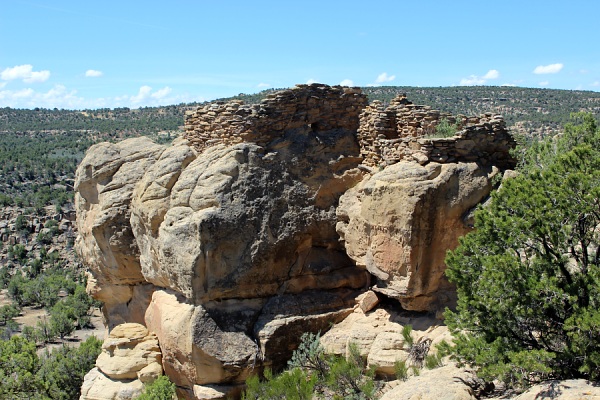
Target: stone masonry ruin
320,107
386,135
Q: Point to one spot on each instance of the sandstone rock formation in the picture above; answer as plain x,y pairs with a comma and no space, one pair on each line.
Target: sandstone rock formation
378,335
570,389
437,384
130,357
226,244
399,223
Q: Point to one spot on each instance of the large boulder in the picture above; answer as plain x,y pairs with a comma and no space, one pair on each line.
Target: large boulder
227,246
399,223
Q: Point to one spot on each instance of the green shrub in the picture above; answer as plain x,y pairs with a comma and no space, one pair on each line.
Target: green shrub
313,373
401,370
445,129
294,384
433,361
161,389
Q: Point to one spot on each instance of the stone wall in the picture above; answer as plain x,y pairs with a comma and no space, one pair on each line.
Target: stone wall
404,130
386,135
487,142
318,106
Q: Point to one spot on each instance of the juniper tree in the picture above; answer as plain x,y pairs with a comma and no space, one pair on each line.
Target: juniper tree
528,277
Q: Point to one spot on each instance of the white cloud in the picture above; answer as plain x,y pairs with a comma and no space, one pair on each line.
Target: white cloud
142,95
23,93
161,93
544,83
347,82
548,69
492,74
480,80
60,96
263,85
311,81
26,73
145,96
597,83
2,84
38,76
384,77
472,80
93,73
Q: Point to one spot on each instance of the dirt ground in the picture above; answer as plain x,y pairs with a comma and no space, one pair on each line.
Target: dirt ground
31,315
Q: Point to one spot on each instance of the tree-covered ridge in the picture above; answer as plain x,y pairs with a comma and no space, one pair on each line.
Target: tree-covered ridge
529,111
123,120
36,169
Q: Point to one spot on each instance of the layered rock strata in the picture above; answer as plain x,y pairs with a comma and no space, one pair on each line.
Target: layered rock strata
228,255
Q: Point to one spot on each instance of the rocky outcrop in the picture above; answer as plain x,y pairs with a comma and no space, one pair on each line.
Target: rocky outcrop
378,336
260,225
442,383
130,357
399,223
228,255
570,389
104,182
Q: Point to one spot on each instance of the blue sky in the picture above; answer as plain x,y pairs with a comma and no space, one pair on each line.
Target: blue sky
87,54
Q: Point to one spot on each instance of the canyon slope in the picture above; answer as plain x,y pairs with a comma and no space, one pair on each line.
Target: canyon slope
270,220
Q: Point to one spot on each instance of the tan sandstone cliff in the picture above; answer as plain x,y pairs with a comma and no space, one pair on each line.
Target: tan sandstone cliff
267,221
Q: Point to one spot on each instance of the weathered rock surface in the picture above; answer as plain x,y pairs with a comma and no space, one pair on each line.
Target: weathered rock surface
104,182
436,384
228,256
399,223
97,386
226,245
130,357
571,389
378,335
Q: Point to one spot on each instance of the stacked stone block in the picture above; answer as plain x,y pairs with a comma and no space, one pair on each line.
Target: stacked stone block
487,142
320,107
386,135
403,130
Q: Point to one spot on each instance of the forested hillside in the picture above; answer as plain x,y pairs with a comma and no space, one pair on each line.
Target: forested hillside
528,110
